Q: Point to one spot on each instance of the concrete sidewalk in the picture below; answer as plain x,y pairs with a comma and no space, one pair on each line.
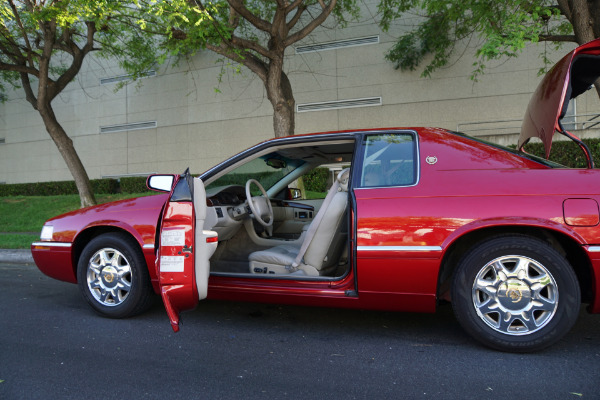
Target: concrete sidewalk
16,256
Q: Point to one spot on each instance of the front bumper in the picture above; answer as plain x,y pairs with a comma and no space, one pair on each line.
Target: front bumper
55,260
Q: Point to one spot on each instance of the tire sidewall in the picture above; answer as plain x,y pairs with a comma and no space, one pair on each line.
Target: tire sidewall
566,283
136,298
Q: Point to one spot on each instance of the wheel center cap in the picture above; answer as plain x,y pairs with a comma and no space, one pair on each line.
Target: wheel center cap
514,294
109,276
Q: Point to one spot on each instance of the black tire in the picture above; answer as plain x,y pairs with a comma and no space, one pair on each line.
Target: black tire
515,293
113,277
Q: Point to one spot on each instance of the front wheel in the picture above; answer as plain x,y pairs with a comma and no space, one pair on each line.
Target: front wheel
515,293
113,277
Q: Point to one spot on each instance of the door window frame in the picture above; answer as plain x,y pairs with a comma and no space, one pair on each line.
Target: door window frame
360,158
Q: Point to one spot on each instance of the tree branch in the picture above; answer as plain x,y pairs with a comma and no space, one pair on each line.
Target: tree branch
78,56
258,23
48,29
293,5
565,9
301,34
234,18
24,69
13,53
278,26
29,95
241,44
296,17
558,38
23,32
249,60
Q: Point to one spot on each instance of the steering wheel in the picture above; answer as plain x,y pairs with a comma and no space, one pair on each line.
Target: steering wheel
260,205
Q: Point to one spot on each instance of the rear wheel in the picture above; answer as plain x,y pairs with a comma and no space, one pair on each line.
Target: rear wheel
515,293
113,277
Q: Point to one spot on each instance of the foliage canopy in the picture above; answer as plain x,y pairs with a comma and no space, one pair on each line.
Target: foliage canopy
497,28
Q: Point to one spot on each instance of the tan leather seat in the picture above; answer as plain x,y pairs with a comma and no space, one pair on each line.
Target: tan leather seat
323,243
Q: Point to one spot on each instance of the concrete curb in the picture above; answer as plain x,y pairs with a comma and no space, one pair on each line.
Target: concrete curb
16,256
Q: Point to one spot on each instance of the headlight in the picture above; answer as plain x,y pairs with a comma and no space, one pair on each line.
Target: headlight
47,232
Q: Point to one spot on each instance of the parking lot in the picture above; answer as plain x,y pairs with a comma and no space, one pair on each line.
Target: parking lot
53,346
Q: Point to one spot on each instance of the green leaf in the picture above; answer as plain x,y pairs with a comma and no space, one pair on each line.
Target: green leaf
501,29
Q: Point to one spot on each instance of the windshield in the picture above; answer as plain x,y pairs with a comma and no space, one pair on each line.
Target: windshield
268,170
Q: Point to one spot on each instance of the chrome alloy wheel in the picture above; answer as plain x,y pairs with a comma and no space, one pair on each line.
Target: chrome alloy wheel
109,277
515,295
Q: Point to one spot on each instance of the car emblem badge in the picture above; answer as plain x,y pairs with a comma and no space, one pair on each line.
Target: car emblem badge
515,295
431,160
109,274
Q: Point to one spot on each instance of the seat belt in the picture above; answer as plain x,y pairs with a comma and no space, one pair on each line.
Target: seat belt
312,229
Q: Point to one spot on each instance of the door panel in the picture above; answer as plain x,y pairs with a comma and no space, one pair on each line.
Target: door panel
176,262
206,241
185,249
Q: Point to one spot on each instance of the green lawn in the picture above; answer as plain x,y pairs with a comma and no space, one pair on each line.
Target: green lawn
27,214
22,217
17,241
314,195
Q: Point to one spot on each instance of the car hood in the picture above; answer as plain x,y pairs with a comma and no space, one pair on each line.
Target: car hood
569,78
139,215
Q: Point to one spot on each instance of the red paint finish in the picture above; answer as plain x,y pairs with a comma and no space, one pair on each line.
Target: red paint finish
399,235
460,194
49,258
541,118
594,306
581,212
175,263
544,110
138,217
394,272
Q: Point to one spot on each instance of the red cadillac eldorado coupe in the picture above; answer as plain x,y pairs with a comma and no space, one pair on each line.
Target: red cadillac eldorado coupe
411,217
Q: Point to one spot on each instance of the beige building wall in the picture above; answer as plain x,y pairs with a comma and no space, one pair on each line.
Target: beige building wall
199,127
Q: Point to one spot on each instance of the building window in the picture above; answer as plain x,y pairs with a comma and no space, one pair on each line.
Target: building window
121,78
128,127
338,104
338,44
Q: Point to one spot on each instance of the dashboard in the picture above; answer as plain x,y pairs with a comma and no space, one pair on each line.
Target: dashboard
226,196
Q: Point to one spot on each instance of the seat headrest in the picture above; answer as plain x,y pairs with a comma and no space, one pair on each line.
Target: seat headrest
343,177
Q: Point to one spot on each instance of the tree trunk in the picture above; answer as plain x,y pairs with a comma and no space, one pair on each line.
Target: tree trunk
281,96
67,151
584,16
581,19
594,7
284,109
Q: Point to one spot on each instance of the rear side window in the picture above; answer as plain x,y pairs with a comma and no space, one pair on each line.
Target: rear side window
389,160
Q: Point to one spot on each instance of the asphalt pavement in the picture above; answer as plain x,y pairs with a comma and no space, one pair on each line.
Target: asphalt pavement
53,346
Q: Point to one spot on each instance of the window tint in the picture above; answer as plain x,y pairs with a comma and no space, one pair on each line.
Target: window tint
389,160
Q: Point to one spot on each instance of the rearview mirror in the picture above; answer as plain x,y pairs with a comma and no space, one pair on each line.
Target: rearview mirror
275,163
160,183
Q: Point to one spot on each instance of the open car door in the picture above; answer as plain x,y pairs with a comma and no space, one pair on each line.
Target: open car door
185,248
